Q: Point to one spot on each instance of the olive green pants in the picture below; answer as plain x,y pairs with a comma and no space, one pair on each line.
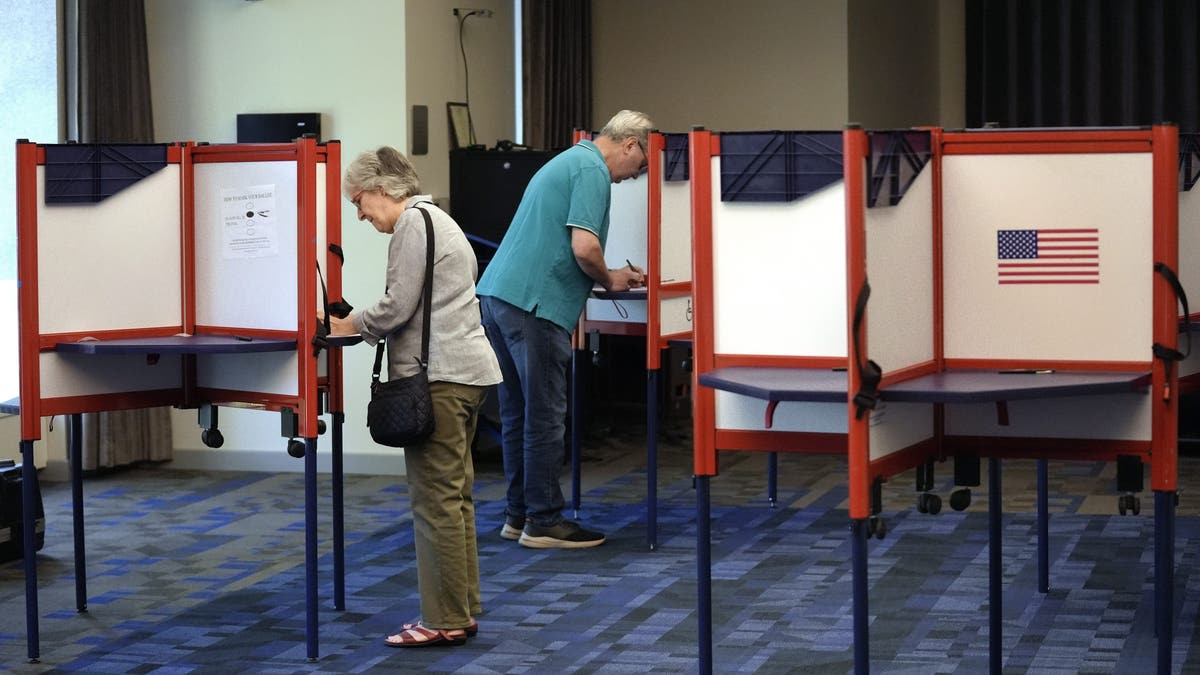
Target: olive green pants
440,479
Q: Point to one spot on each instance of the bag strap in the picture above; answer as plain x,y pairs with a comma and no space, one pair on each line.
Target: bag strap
428,297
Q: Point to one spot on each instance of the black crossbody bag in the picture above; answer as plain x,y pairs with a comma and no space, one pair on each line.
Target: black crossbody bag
401,411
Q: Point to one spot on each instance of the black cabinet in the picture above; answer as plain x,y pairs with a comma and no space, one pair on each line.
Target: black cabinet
485,189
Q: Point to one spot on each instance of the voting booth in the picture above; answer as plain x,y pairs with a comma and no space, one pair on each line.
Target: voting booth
909,296
650,227
181,275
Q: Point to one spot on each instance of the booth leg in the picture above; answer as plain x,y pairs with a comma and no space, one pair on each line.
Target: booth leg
75,453
339,525
1164,575
858,550
704,574
1043,527
772,478
578,359
29,482
995,575
652,459
310,545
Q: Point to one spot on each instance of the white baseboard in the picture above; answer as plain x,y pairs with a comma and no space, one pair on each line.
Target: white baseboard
379,463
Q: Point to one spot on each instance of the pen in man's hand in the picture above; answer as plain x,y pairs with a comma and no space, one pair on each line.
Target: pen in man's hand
628,262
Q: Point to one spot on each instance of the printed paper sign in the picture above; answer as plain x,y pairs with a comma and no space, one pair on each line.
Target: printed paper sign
248,216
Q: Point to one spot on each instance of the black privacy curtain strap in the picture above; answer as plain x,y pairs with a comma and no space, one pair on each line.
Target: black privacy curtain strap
869,373
1162,351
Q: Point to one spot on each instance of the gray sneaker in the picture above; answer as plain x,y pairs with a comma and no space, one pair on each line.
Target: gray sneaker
566,534
512,527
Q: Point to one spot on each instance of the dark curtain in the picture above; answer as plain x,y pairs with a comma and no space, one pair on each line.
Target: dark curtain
113,73
557,70
109,102
1083,62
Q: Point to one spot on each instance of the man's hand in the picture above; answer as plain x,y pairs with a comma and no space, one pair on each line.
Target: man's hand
627,278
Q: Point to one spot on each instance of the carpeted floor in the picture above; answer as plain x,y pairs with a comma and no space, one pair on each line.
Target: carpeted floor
203,572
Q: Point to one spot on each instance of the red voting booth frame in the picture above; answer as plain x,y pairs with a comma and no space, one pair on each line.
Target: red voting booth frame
1160,451
300,411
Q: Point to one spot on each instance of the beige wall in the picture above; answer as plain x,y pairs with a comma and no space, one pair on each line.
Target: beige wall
779,64
435,76
757,64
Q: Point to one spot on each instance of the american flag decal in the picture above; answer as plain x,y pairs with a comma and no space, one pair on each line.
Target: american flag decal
1051,256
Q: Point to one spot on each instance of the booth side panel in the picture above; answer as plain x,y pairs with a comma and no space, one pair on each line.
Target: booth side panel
113,264
778,271
333,265
627,223
676,317
1189,247
74,375
675,263
900,268
246,265
1046,257
1108,417
616,311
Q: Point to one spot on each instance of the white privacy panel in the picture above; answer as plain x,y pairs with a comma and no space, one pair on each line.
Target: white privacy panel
115,264
246,238
900,312
734,411
1191,364
675,316
322,233
779,274
1189,246
623,311
90,374
1109,416
1096,208
675,231
627,224
896,426
266,372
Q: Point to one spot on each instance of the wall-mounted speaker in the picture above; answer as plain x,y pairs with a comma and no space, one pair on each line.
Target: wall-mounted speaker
277,127
420,130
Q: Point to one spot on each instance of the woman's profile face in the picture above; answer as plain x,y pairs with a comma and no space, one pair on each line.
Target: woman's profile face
377,208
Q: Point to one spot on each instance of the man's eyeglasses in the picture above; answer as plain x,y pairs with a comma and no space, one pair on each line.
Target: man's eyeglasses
356,198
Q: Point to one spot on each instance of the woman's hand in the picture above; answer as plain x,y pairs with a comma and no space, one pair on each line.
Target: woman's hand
339,326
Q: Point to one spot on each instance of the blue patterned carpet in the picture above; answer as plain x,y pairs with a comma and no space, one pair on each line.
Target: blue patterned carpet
203,572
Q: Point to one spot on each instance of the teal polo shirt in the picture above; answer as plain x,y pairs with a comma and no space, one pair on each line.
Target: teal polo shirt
535,268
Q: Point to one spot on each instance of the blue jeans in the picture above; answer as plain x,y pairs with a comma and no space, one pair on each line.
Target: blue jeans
534,356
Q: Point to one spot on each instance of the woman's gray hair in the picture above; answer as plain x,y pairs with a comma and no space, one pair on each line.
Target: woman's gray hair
628,124
385,169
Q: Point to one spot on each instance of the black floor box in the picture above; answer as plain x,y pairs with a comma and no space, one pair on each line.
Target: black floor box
12,542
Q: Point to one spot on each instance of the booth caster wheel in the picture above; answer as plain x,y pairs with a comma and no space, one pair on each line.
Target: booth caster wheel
1129,503
320,427
295,448
876,527
212,438
927,502
960,499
